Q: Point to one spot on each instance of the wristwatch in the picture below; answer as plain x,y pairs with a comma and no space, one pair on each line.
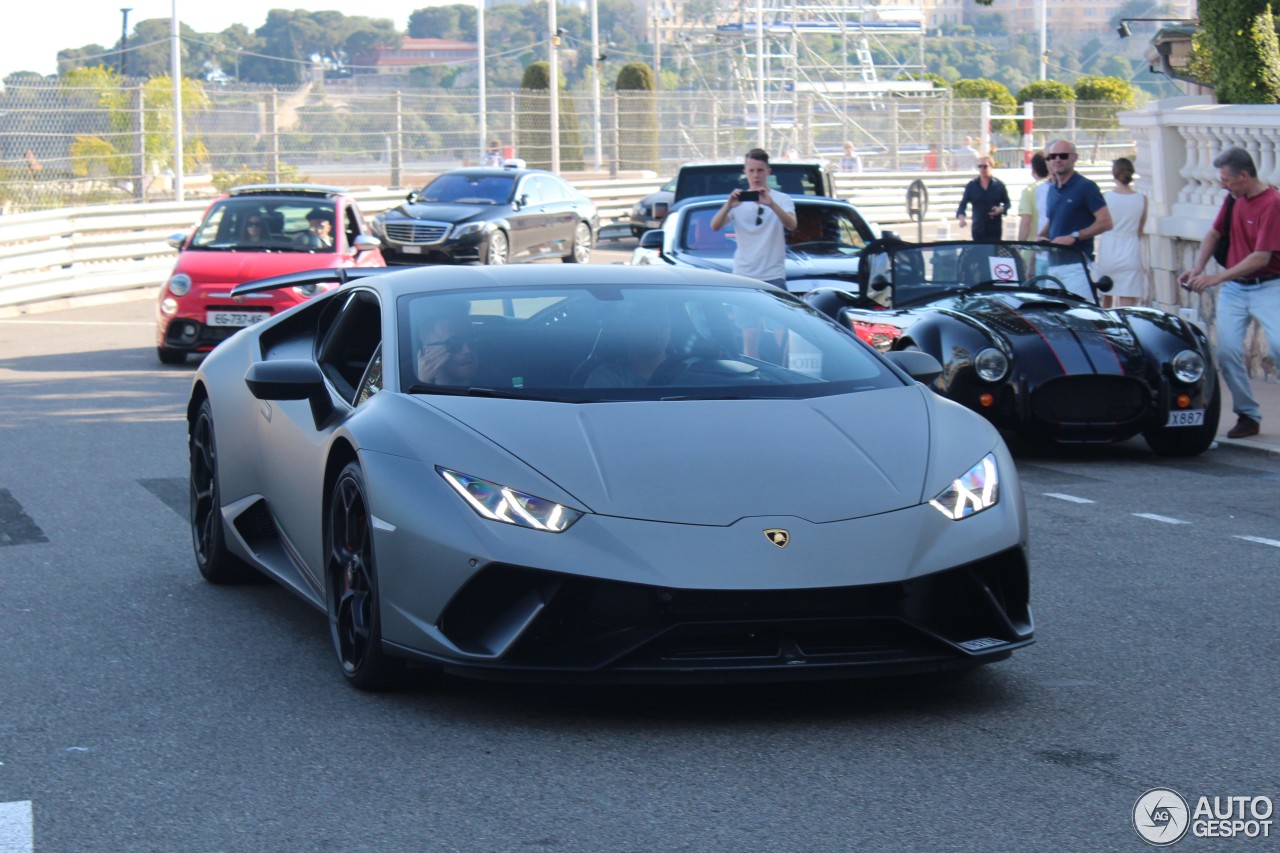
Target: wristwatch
1076,236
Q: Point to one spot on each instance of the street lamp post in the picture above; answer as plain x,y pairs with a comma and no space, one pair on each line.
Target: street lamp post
484,106
1124,32
124,41
554,85
175,72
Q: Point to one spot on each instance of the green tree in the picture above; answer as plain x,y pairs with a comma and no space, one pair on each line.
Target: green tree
533,127
1046,90
1240,40
637,117
988,90
1103,98
110,153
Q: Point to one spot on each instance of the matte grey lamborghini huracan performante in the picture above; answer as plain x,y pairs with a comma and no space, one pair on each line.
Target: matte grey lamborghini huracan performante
614,473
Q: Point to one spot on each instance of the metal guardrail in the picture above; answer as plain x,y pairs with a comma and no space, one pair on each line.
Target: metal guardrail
49,256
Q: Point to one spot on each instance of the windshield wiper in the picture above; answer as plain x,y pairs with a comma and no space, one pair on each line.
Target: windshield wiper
496,393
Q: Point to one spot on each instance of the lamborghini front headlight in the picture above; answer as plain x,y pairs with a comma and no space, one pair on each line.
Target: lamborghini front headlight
971,492
499,503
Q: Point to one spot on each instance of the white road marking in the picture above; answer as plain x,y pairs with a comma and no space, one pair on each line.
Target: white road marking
1164,519
1272,542
1072,498
15,828
75,323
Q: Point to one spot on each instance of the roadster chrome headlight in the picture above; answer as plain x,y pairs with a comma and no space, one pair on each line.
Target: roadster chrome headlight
971,492
991,364
499,503
1188,366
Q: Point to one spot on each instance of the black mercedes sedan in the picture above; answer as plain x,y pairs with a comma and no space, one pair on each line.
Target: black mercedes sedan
490,216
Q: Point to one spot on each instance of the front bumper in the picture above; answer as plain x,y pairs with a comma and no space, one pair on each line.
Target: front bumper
578,628
430,243
619,599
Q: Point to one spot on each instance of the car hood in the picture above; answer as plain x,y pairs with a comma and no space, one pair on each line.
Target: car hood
1082,338
823,459
800,267
241,266
443,212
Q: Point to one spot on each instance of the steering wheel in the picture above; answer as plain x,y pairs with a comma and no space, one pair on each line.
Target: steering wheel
671,369
1053,280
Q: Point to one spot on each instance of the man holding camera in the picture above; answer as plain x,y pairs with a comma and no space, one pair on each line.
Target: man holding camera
761,217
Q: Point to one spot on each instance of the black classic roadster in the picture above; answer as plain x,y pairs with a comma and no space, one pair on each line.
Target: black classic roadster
1022,340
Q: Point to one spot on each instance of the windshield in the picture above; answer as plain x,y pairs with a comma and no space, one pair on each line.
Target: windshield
591,344
827,232
469,189
257,223
723,178
923,273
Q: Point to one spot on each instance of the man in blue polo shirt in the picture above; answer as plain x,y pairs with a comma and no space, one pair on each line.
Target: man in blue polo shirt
1076,209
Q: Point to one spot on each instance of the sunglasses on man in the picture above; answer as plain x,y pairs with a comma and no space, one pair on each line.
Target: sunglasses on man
1058,156
453,345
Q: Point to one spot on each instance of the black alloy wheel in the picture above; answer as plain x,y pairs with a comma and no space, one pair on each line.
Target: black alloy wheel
216,563
355,623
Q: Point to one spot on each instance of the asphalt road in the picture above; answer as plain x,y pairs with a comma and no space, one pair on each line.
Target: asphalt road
142,709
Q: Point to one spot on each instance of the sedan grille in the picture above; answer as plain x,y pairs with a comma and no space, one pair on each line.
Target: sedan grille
1090,399
422,233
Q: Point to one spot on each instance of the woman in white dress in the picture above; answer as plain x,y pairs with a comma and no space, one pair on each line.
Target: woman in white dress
1120,249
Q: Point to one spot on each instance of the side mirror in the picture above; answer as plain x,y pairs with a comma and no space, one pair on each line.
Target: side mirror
412,196
176,241
880,282
364,243
888,235
920,366
291,379
1104,284
651,240
522,201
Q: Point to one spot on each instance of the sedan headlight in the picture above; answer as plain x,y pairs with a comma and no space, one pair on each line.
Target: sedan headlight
991,364
469,228
180,284
1188,366
971,492
499,503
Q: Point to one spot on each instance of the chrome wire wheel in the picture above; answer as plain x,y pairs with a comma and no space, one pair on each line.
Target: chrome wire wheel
354,621
498,249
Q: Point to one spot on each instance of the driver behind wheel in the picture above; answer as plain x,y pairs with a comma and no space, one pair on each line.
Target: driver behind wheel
447,355
644,337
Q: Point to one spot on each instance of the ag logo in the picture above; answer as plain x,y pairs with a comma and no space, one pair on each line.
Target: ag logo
778,536
1161,817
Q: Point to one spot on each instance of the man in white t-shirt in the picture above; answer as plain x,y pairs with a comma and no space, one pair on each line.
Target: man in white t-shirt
761,217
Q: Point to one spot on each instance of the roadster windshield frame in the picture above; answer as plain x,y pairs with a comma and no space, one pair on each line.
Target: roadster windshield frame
916,274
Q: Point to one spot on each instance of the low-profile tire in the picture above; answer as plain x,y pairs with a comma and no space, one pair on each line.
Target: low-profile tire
351,577
216,563
1188,441
580,251
499,249
171,356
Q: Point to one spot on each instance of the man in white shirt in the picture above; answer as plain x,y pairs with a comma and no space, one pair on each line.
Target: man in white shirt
761,217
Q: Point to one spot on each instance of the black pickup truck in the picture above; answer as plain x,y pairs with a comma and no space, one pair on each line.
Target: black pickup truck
789,176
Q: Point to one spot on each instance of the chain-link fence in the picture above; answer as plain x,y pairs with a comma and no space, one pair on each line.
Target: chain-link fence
62,146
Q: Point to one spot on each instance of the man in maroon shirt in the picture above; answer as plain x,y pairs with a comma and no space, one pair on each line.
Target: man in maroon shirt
1250,283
